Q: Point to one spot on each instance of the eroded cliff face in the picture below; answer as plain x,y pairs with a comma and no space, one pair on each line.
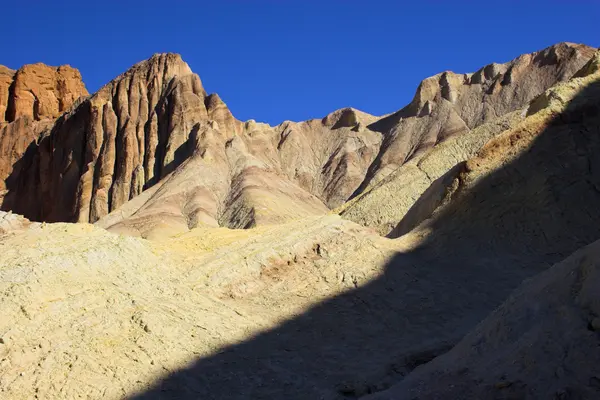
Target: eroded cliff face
155,124
38,91
102,153
15,139
450,104
145,124
450,118
30,99
6,80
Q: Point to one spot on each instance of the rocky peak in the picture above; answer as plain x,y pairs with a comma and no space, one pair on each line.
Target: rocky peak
219,112
347,118
526,74
117,143
151,120
157,71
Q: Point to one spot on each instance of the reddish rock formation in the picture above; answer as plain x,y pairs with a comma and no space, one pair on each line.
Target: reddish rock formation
38,91
102,153
140,127
15,138
30,99
6,80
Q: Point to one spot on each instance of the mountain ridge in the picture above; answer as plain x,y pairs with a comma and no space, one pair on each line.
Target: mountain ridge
147,121
160,298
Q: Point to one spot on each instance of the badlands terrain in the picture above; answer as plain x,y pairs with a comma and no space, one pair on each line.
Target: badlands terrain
152,246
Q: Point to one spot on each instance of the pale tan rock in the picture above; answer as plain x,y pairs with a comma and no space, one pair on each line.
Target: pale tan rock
386,203
348,118
220,114
546,127
450,104
450,118
12,223
103,302
221,183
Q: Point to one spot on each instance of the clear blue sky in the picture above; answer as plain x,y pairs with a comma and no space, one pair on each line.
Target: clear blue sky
283,59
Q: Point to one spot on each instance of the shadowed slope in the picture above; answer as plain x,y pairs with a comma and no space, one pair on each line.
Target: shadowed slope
450,118
529,204
541,343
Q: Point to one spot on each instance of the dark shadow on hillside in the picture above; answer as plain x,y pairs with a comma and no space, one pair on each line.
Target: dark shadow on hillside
19,182
515,222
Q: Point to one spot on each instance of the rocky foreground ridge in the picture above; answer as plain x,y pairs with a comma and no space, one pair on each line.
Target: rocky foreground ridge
482,182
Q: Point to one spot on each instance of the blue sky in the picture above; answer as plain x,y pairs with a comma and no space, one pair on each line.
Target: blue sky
282,59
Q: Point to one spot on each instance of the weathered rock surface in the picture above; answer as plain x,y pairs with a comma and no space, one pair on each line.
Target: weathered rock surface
560,118
444,109
38,91
10,222
15,139
273,311
104,151
6,79
321,307
117,312
30,99
450,104
265,175
388,201
142,126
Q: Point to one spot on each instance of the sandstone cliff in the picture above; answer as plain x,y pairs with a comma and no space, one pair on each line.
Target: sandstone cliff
149,121
30,99
6,79
38,91
101,153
